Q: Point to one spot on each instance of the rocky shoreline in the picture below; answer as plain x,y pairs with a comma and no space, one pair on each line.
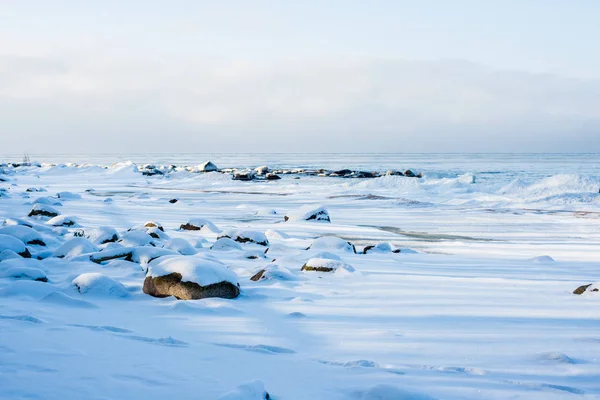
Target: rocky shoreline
241,174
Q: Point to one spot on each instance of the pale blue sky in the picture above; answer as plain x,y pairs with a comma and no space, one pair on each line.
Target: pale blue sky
273,75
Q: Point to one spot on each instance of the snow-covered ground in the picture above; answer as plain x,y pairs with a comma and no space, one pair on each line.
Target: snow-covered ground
477,304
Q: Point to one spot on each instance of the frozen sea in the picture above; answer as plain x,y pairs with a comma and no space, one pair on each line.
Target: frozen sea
477,304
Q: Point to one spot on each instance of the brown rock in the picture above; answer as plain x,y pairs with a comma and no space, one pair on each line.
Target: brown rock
171,285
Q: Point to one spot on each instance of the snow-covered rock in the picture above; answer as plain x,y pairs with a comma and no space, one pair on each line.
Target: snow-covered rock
33,274
24,233
378,248
207,166
13,244
63,220
197,224
181,246
75,247
308,213
262,170
97,284
43,210
8,254
332,243
226,244
191,278
389,392
246,236
327,265
274,272
273,234
68,196
249,391
104,234
136,238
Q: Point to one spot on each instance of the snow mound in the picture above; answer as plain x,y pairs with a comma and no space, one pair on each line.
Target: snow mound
75,247
265,212
543,260
8,255
47,201
273,234
332,243
96,284
181,246
327,255
389,392
207,166
254,390
203,271
308,213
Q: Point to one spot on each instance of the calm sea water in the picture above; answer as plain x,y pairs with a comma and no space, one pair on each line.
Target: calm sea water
487,167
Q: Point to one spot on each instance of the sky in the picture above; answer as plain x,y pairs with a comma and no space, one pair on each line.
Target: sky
299,76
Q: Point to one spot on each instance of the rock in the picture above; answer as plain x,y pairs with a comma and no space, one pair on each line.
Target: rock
13,244
125,253
392,172
207,167
243,175
152,224
272,177
343,172
43,210
587,288
326,265
243,236
409,173
173,201
308,213
191,278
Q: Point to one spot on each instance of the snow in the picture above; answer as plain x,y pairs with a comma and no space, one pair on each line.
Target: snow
481,308
247,236
202,271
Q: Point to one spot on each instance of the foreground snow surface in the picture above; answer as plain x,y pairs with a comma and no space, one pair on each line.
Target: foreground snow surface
481,308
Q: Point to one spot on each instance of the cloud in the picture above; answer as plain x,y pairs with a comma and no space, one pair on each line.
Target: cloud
103,105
